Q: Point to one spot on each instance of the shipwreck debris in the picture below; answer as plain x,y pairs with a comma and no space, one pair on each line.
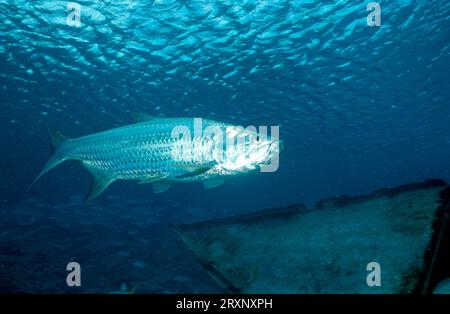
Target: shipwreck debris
327,249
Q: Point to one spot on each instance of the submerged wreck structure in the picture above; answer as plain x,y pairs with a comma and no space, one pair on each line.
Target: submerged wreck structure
327,249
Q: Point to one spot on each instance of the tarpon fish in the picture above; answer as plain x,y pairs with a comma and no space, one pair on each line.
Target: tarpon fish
162,151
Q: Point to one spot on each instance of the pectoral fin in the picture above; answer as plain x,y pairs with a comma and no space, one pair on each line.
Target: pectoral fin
212,183
100,182
194,170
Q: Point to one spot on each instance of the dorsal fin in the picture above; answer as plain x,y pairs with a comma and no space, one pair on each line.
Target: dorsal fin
56,137
139,117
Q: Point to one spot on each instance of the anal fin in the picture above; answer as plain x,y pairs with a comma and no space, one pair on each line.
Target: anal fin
151,179
159,187
100,182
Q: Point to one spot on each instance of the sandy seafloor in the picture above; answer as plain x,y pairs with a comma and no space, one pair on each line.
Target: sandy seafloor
37,240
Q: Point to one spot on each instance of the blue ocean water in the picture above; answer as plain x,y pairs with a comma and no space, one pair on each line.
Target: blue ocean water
358,107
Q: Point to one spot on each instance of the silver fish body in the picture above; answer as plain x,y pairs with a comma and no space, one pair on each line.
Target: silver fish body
152,152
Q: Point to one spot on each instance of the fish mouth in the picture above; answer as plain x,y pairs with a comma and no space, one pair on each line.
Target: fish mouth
279,145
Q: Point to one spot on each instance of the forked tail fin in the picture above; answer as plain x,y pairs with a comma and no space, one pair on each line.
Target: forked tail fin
56,139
